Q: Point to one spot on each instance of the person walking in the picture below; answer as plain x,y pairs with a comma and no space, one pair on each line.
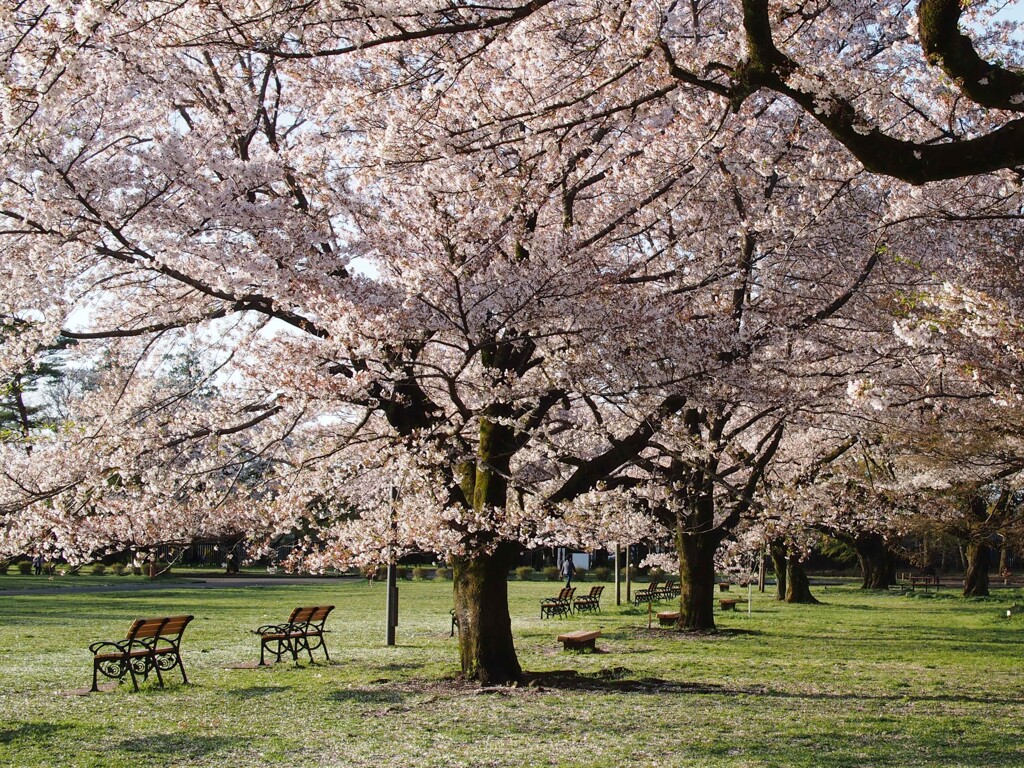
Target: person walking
568,570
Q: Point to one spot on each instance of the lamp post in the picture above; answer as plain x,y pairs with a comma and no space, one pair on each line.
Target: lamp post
391,605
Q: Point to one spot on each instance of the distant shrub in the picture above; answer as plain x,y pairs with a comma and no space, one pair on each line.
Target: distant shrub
421,574
601,573
3,568
523,573
136,570
25,567
656,574
98,569
581,574
551,573
402,572
445,573
118,569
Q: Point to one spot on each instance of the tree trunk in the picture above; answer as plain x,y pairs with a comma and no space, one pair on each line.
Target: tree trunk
778,553
696,578
979,557
798,586
486,648
876,562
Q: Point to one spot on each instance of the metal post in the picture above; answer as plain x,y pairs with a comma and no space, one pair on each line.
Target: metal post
618,583
392,602
629,579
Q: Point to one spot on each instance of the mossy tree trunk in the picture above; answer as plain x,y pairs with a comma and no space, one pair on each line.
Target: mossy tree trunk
696,546
878,571
979,558
778,553
486,649
798,586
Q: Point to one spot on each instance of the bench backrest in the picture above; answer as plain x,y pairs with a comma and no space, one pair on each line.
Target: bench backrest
165,627
566,593
596,591
310,614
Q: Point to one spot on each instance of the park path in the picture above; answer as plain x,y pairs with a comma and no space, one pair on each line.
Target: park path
228,582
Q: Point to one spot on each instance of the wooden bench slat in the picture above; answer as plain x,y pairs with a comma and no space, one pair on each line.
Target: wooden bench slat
581,638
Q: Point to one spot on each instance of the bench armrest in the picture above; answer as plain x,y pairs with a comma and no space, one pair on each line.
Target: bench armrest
272,629
110,646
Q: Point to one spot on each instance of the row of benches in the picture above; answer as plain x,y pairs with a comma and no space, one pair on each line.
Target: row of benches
566,602
154,645
656,591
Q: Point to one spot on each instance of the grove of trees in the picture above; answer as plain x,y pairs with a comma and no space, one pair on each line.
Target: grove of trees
465,278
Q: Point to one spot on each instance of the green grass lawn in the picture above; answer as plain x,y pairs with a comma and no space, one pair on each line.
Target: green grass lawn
861,680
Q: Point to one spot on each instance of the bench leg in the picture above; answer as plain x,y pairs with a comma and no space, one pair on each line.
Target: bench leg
156,668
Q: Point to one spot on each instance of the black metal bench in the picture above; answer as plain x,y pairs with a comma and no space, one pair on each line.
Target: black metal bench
591,602
151,645
303,631
557,606
669,590
648,595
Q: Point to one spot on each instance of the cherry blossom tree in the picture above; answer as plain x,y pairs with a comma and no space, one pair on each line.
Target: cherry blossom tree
515,262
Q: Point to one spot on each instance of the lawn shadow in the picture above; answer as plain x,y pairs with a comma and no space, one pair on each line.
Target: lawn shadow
183,746
619,680
367,696
257,691
30,732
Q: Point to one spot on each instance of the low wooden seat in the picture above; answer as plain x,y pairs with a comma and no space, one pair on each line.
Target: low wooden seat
303,631
728,604
668,618
579,640
151,645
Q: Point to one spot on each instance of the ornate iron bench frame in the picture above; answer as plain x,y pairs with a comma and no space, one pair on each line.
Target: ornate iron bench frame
591,602
557,606
303,631
152,645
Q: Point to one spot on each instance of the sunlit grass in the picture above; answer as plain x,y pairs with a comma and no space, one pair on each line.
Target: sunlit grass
862,680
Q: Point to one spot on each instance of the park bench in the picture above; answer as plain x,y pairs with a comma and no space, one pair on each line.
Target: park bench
648,595
925,582
728,603
668,618
557,606
303,631
670,590
579,640
591,602
151,645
